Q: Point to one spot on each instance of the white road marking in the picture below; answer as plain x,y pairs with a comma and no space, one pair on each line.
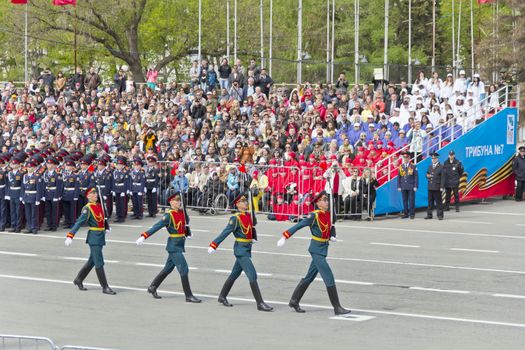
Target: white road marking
111,261
440,290
16,253
351,282
323,307
470,222
475,250
389,262
395,245
121,225
258,273
513,296
74,258
493,213
198,230
148,264
352,317
520,225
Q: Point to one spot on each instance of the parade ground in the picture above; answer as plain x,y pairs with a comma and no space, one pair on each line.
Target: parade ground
412,284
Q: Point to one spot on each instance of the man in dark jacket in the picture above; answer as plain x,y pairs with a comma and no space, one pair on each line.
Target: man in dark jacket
407,183
264,82
453,170
436,183
518,168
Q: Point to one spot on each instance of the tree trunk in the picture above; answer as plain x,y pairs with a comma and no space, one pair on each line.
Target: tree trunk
136,68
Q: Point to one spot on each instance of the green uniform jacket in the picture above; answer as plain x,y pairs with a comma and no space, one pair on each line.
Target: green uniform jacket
171,220
92,216
243,241
320,238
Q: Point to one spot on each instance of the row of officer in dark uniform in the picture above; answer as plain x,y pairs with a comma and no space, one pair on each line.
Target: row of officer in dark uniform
47,184
442,178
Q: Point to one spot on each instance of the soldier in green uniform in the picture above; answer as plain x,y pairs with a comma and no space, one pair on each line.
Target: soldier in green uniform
241,226
175,222
322,232
93,215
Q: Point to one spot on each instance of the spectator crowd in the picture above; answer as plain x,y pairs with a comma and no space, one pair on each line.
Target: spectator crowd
231,128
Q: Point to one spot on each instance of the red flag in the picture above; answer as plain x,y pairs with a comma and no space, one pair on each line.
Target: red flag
485,1
19,2
64,2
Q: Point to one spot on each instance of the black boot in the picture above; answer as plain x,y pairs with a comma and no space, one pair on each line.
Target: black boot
297,295
103,281
261,305
187,290
82,274
152,289
228,284
334,299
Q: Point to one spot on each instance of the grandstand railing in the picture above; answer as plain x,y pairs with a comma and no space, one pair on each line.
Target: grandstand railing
507,96
282,193
11,342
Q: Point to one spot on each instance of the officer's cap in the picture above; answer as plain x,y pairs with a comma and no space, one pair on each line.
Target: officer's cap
152,159
319,196
522,148
52,160
90,190
122,160
239,198
175,197
434,155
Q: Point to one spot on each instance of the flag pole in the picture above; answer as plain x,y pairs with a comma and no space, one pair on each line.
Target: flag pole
472,36
25,47
75,41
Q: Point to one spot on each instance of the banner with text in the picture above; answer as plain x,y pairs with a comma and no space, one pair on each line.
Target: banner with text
486,153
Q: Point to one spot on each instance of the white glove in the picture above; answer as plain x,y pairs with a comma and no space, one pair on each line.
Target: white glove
211,250
105,198
68,241
37,203
415,189
141,240
123,194
75,199
55,199
43,198
189,237
145,190
399,189
113,193
154,190
140,193
333,239
281,242
254,241
21,200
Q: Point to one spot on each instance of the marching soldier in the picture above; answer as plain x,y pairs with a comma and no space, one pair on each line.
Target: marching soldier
85,180
102,179
138,188
4,203
53,188
121,188
175,222
241,226
322,232
13,190
71,191
407,182
152,185
92,215
436,183
453,170
32,192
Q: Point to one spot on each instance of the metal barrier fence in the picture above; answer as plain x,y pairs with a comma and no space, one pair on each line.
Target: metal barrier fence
281,192
24,342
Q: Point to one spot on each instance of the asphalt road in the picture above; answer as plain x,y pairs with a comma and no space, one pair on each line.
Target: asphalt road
415,284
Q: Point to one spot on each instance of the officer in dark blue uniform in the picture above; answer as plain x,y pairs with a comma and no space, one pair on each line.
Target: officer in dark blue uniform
138,188
13,191
407,183
85,180
71,193
32,192
53,189
102,179
121,188
152,185
4,210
